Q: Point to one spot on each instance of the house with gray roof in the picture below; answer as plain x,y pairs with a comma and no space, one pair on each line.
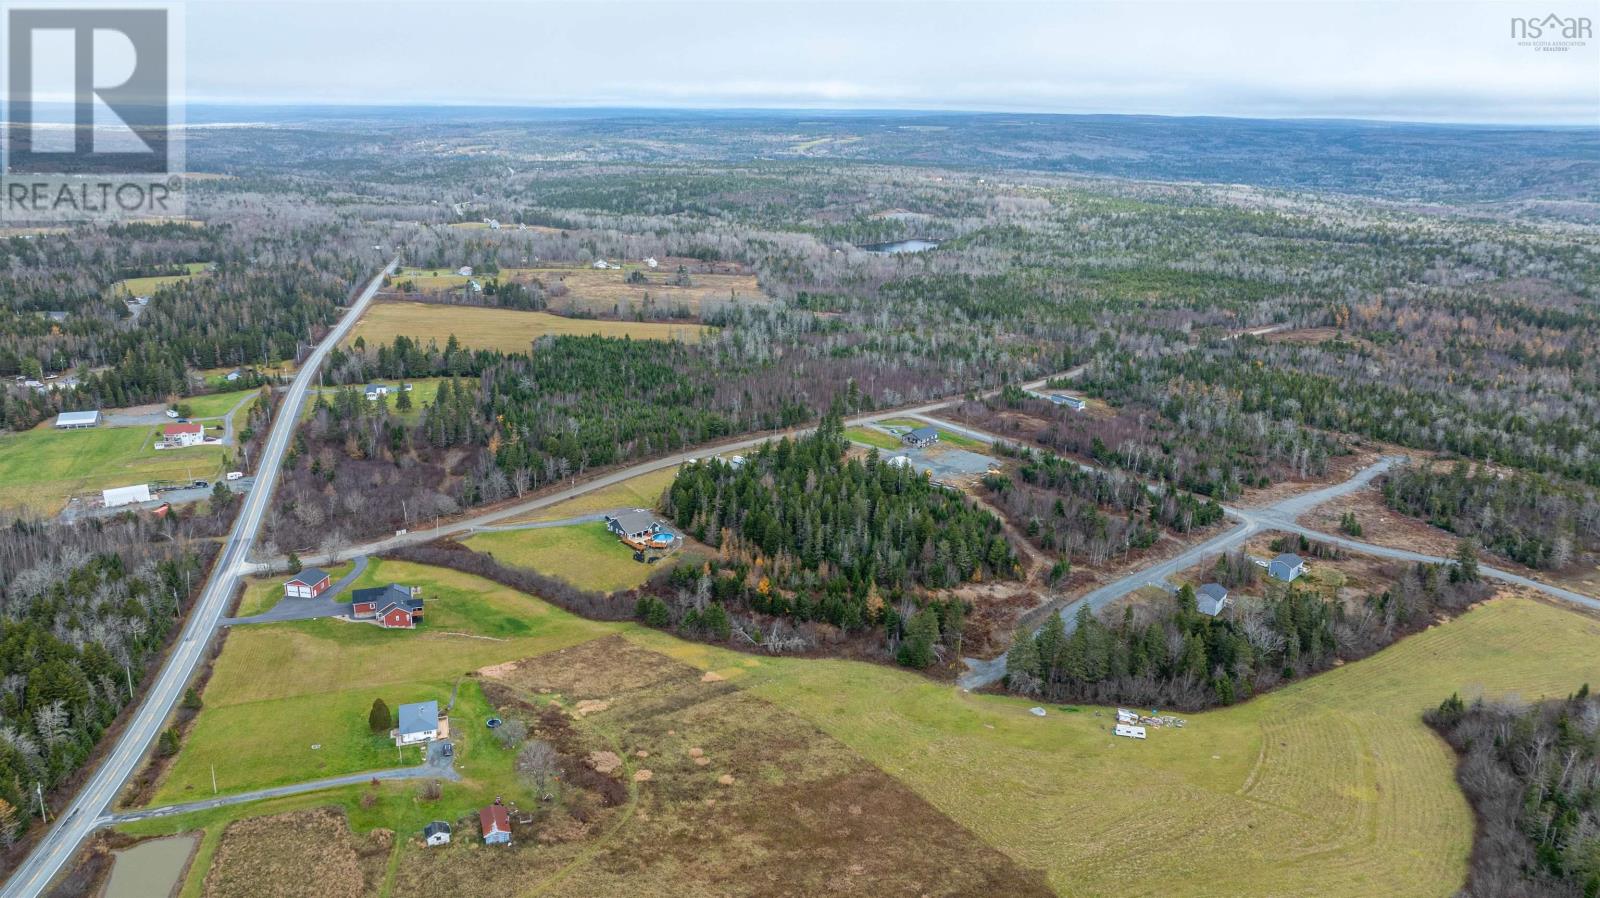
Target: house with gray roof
636,525
922,436
419,722
1211,598
1286,567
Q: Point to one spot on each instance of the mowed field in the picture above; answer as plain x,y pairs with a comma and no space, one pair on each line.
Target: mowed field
506,330
149,285
1330,787
586,555
643,491
41,468
279,689
605,292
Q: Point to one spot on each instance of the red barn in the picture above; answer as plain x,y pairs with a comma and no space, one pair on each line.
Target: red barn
394,606
308,584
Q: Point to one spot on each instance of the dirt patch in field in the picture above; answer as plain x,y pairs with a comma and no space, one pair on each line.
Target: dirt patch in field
306,853
739,798
591,671
1380,524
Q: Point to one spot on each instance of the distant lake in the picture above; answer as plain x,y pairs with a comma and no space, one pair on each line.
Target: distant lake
901,246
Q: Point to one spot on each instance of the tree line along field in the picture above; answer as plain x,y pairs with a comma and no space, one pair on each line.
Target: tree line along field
1331,786
504,330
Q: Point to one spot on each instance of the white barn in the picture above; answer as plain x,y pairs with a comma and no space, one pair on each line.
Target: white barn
125,495
77,420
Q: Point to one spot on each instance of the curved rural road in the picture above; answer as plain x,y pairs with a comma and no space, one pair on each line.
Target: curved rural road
84,812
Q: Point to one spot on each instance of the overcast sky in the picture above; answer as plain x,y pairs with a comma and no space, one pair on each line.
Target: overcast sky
1422,61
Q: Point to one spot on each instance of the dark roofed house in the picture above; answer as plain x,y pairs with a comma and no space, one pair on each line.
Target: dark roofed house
922,436
636,525
1287,567
495,822
395,606
1211,598
437,833
308,584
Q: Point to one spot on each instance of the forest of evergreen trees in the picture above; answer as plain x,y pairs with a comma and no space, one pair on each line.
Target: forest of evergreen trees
807,534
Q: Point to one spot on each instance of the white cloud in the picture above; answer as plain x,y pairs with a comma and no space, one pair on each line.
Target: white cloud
1399,60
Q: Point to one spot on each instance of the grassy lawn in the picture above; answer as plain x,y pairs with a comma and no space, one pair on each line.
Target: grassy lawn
277,689
506,330
871,437
40,468
423,391
214,405
643,491
946,438
148,286
1332,786
586,555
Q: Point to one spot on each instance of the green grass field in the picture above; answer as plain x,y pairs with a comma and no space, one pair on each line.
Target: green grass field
586,555
871,437
507,330
946,438
643,491
316,680
214,405
1332,786
423,391
148,286
1329,787
41,468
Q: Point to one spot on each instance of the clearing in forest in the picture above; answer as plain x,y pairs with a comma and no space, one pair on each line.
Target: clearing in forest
506,330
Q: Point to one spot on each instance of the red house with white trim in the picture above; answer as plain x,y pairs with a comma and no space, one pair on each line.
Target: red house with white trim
308,584
394,606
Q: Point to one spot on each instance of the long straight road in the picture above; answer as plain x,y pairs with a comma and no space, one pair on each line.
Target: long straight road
83,815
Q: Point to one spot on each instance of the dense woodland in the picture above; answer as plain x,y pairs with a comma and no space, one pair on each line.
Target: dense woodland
1532,774
1528,518
82,612
1079,513
1172,656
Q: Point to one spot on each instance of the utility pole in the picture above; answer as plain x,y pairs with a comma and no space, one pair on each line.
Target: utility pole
129,674
38,789
213,779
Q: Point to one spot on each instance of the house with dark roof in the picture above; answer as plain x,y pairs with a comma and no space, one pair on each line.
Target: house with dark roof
1286,567
373,391
495,822
436,833
922,436
394,606
1211,598
636,525
1071,402
308,584
419,722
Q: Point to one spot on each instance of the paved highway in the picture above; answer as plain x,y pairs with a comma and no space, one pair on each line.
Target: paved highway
84,814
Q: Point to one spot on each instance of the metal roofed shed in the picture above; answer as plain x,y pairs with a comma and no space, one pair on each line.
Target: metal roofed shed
125,495
78,420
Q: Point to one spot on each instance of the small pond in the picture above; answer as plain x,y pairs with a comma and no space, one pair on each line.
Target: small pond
916,245
151,868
